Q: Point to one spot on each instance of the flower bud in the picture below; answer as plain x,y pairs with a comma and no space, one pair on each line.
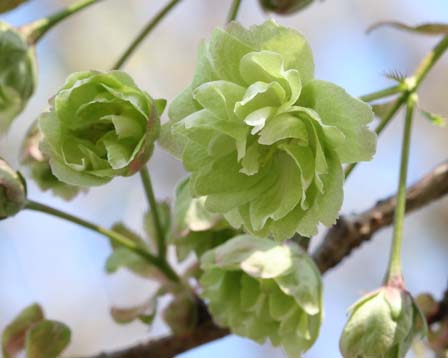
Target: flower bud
32,157
17,74
100,125
263,290
7,5
12,191
382,324
284,7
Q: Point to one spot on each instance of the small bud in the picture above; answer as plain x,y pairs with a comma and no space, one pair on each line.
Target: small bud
284,7
262,289
17,74
7,5
382,324
12,191
32,157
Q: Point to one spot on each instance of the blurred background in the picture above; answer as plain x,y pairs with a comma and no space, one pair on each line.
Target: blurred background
62,266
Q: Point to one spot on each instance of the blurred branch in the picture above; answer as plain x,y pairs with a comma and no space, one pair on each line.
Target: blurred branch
351,232
170,346
347,234
442,311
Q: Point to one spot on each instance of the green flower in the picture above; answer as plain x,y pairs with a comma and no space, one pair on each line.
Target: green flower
263,140
262,289
12,191
33,158
7,5
382,324
100,125
284,7
18,75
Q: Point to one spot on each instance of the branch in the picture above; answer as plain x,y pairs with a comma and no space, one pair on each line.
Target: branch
339,242
351,232
442,311
170,346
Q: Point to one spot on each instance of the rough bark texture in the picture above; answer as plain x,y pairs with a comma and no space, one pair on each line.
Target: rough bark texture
349,233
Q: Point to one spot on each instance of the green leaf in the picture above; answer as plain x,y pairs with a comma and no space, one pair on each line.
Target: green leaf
434,119
130,234
47,339
125,258
146,312
425,29
381,110
13,338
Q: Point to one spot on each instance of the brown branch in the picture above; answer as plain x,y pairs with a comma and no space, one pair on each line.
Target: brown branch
351,231
170,346
346,235
442,310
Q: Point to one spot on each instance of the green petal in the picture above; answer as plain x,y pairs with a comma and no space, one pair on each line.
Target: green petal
73,177
260,95
219,97
281,198
225,52
284,126
326,206
337,108
287,42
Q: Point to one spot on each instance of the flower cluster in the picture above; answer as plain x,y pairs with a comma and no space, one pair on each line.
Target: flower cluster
263,140
262,289
18,75
100,125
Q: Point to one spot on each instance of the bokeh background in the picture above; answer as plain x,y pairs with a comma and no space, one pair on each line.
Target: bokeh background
62,266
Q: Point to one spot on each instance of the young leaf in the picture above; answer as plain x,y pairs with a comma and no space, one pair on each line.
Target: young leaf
47,339
426,29
13,340
383,109
124,230
434,119
125,258
146,312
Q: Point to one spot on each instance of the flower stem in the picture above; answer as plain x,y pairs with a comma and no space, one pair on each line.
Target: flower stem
389,91
145,32
430,60
146,179
36,30
233,13
411,85
112,235
394,271
144,174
